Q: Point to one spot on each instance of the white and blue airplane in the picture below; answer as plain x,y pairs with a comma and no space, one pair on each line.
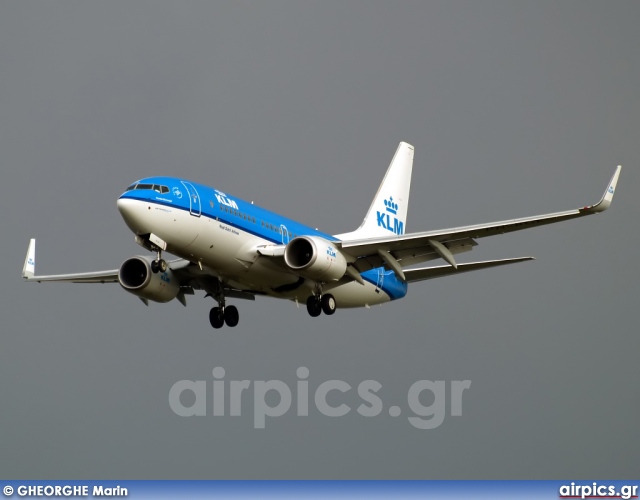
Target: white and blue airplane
233,249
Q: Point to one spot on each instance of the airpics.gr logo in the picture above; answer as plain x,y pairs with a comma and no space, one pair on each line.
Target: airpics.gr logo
394,225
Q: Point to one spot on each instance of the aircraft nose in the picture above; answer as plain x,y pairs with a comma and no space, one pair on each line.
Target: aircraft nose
127,208
123,206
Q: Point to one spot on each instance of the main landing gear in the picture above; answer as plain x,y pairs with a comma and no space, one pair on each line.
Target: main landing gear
218,316
223,313
317,304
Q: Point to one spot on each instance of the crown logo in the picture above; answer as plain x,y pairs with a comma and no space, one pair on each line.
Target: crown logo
391,206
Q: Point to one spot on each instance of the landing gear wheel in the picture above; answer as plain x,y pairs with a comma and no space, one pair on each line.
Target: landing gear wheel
231,316
216,317
328,303
159,265
314,308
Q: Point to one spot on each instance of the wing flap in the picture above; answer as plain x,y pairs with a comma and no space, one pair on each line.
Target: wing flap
428,273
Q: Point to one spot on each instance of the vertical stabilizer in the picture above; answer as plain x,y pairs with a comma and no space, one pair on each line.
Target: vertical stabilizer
387,214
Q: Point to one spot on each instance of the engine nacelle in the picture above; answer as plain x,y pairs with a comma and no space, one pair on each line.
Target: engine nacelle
315,258
135,276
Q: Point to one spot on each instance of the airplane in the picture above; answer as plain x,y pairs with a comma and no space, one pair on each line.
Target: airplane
233,249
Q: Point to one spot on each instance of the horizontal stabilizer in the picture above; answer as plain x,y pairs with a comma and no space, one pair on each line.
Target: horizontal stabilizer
428,273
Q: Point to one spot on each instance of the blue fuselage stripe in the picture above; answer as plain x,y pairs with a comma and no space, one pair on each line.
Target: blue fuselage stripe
391,285
214,205
218,218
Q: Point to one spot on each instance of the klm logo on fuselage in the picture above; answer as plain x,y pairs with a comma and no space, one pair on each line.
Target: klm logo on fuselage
388,219
222,199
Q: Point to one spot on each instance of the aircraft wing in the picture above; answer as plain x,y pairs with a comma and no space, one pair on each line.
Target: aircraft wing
415,247
189,274
428,273
28,272
109,276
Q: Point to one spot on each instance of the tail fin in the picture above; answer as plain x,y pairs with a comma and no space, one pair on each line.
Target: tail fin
388,212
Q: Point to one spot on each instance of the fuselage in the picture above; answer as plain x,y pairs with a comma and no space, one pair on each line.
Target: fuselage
221,233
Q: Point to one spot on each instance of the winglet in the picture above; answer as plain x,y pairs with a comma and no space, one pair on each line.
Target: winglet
29,268
605,202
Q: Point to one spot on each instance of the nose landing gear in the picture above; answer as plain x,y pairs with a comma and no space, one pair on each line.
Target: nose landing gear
159,264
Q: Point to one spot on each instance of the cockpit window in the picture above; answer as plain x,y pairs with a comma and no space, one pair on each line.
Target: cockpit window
144,186
160,189
130,188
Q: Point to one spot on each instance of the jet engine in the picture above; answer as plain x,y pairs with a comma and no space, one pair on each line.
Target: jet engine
315,258
135,276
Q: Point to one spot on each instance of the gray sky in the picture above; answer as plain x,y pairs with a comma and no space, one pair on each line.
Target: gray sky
514,109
